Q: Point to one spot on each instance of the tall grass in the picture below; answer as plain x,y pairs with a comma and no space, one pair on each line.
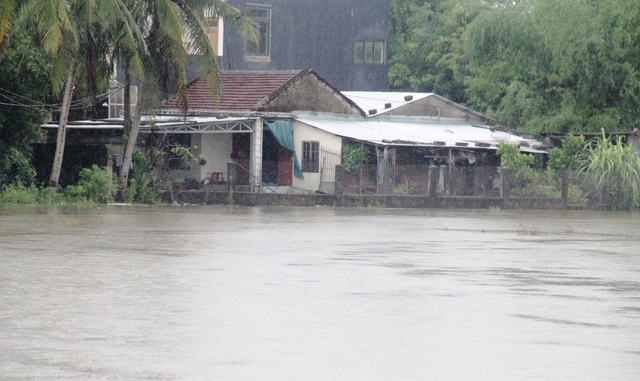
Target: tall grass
616,168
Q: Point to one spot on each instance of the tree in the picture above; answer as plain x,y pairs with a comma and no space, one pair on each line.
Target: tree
7,14
557,66
176,32
426,50
73,33
24,72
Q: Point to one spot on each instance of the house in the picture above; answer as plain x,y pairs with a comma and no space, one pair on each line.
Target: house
400,152
298,124
250,123
344,41
286,130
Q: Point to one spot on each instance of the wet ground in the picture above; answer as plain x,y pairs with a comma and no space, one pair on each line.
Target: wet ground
219,293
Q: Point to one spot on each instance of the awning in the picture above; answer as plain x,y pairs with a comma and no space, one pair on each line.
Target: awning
169,124
282,131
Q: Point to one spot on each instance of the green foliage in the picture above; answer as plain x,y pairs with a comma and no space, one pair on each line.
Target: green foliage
23,76
145,191
15,166
95,185
19,194
184,154
143,187
525,182
353,156
616,167
557,66
538,65
510,156
426,50
570,157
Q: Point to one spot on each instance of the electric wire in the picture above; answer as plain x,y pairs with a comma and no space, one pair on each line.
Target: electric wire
17,100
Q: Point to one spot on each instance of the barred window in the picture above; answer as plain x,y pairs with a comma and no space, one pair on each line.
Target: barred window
174,161
310,156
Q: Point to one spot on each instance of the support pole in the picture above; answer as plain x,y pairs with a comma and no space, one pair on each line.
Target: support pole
339,189
231,181
565,188
433,181
506,182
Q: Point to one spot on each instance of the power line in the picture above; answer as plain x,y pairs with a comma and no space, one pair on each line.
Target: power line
18,100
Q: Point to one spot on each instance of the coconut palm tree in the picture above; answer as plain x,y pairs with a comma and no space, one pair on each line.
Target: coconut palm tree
175,31
7,13
76,32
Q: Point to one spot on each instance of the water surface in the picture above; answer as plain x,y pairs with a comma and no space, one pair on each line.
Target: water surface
229,293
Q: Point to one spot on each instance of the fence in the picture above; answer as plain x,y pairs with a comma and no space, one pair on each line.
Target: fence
577,189
328,159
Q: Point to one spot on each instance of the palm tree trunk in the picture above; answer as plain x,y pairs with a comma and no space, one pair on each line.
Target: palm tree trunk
62,125
123,180
127,99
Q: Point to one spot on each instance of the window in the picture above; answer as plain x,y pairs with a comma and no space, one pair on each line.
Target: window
174,161
310,157
369,51
261,50
116,102
213,33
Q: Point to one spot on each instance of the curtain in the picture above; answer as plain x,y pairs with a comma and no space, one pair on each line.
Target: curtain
283,133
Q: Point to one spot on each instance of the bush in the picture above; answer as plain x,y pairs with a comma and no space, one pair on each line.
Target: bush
143,191
353,156
522,175
143,187
95,185
570,157
19,194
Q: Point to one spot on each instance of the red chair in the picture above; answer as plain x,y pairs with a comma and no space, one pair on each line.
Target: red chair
217,178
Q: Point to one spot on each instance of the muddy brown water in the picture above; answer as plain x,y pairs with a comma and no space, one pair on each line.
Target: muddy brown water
228,293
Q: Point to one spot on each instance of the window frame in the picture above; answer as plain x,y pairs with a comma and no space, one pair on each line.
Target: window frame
310,156
370,51
262,50
174,162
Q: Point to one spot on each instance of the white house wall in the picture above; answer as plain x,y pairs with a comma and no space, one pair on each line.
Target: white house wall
216,149
304,132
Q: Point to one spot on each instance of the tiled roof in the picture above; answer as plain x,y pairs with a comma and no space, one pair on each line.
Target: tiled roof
240,90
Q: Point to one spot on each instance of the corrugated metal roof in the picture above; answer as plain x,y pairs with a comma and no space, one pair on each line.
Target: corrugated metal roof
382,101
445,134
146,123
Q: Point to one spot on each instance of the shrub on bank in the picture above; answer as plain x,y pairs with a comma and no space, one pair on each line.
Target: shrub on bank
95,185
20,194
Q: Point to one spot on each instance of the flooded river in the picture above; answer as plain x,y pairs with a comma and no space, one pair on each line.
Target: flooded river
229,293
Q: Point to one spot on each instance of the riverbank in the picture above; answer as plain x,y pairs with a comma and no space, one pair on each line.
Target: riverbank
372,201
